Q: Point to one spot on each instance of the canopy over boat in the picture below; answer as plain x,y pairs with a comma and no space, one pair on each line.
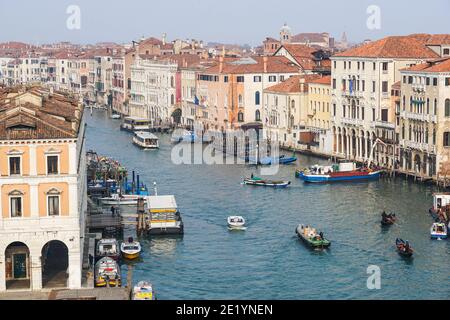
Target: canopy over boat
165,203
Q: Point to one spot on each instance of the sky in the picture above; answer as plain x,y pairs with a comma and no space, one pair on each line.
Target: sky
225,21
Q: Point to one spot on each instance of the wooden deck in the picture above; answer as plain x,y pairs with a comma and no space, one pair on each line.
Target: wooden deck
105,220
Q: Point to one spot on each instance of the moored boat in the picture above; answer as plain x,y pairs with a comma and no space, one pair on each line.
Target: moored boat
236,223
184,136
438,231
404,248
164,217
115,116
441,208
143,290
277,160
266,183
146,140
108,248
312,237
107,273
130,249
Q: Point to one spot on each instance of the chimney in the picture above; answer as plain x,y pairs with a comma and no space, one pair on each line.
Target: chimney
220,64
265,59
302,84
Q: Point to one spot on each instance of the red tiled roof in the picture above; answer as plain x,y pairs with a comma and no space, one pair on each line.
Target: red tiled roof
308,37
292,85
408,47
274,64
438,65
324,80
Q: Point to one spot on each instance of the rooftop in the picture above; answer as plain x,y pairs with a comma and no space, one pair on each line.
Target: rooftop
34,112
293,84
436,66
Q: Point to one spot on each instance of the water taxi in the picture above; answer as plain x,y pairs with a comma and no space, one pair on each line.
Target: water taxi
344,171
236,223
146,140
312,237
143,290
131,249
107,273
164,217
438,231
108,248
133,124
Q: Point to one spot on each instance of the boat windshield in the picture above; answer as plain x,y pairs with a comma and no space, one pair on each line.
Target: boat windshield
131,248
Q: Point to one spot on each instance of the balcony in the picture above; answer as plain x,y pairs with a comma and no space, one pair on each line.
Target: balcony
418,116
425,147
419,88
352,122
384,124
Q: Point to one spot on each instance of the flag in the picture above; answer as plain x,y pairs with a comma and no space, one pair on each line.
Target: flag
196,101
351,86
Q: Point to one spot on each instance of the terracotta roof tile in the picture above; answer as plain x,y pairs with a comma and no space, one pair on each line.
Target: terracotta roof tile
436,66
292,85
274,64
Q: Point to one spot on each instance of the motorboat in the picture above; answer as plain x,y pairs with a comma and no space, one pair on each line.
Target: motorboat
266,183
107,273
121,199
108,248
143,290
438,231
388,219
404,248
277,160
164,217
130,249
133,124
146,140
312,237
345,171
184,136
115,116
236,223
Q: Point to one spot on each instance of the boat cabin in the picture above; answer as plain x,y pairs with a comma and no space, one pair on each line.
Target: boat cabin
441,200
146,140
164,215
135,124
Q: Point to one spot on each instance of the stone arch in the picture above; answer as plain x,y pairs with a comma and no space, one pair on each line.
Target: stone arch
17,266
55,264
417,163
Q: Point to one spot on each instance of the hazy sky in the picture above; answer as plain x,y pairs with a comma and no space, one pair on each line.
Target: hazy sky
229,21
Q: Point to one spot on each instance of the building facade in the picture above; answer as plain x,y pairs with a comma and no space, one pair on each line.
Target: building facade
43,189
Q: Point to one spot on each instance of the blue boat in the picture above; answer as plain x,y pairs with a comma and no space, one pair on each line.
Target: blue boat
273,160
337,173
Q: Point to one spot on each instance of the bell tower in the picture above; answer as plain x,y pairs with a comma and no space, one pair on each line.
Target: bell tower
285,34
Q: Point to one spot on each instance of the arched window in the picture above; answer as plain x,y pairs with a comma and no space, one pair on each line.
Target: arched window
428,105
435,106
293,104
257,98
257,115
447,107
172,82
240,99
172,99
240,117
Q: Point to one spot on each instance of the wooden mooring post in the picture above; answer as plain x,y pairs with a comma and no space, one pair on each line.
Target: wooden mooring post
141,227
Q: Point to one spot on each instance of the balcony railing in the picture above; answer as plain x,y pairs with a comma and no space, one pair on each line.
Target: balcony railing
352,122
418,146
418,116
384,124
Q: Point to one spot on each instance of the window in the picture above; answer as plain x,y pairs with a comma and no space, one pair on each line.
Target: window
374,86
428,81
225,79
257,98
240,99
52,164
446,139
447,82
373,114
16,206
446,52
257,115
334,109
385,66
447,107
240,79
384,86
240,117
384,115
374,66
363,83
272,78
53,205
334,83
257,79
281,78
14,165
435,82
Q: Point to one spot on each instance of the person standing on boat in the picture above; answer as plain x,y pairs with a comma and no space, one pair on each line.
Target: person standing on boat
253,175
113,211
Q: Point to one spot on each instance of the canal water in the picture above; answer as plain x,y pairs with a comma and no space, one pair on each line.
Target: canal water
268,261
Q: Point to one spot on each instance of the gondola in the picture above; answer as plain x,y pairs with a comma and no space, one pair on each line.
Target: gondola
266,183
388,219
403,248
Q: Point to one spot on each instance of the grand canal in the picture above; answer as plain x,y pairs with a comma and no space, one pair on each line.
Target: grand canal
268,261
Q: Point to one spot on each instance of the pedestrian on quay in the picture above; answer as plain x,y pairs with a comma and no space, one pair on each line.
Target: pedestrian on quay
91,260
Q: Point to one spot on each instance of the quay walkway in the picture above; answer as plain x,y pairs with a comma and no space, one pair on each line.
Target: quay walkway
68,294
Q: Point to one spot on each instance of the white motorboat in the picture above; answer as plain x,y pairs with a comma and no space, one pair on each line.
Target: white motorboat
438,231
123,200
236,223
107,273
108,248
130,249
143,290
146,140
115,116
